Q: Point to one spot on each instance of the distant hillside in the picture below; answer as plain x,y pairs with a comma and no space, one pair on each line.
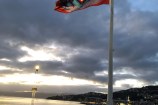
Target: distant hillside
79,97
135,94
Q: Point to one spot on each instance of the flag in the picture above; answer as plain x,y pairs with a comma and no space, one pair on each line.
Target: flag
67,6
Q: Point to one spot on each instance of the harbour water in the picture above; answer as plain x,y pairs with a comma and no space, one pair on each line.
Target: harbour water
28,101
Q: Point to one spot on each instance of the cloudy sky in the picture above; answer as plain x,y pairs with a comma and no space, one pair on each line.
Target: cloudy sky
72,49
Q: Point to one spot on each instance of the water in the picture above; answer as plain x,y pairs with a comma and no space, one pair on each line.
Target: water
28,101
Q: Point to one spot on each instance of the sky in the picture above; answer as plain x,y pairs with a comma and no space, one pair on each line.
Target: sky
72,49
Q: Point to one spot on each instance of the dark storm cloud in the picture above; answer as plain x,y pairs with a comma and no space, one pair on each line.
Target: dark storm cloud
20,20
36,22
31,23
9,50
138,43
84,63
135,45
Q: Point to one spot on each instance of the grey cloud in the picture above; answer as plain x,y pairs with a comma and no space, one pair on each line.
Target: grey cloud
5,72
135,43
9,51
122,77
36,22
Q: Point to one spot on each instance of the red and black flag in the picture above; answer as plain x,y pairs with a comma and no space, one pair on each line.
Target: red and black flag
67,6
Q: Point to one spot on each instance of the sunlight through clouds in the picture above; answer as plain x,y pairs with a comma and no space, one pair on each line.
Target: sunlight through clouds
5,59
125,71
102,73
32,79
130,82
4,68
38,54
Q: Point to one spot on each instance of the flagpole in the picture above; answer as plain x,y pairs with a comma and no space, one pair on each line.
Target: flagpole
110,67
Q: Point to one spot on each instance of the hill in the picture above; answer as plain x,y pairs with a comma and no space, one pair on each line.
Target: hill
148,93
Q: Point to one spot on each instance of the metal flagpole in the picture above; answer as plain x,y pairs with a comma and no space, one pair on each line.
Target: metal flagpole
110,67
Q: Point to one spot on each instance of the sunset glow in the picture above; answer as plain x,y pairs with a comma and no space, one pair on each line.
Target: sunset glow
32,79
